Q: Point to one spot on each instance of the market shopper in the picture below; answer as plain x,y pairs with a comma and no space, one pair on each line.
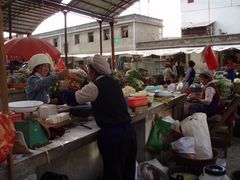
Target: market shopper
180,72
42,78
190,75
116,139
208,102
230,68
167,73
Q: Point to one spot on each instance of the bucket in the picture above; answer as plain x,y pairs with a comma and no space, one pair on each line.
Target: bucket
214,172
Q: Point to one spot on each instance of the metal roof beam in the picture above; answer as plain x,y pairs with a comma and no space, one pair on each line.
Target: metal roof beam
118,6
36,5
7,4
91,4
78,10
31,11
21,28
33,8
27,17
25,20
113,4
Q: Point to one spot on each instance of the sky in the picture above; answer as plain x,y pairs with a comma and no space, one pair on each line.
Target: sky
167,10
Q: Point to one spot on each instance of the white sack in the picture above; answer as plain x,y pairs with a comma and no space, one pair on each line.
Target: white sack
184,145
197,127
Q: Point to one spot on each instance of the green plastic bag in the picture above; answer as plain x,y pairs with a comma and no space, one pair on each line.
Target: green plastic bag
158,138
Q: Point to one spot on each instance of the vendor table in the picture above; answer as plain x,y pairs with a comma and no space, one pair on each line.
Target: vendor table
76,155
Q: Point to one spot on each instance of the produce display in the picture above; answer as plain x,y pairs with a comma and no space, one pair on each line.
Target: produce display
236,84
127,90
224,86
133,77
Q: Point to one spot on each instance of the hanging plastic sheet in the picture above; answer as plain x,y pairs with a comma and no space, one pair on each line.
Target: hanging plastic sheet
225,47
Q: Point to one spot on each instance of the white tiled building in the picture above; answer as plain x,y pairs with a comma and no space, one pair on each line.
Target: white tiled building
85,39
202,17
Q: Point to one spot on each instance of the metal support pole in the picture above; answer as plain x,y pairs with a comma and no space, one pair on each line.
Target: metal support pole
112,45
100,31
4,90
65,36
10,21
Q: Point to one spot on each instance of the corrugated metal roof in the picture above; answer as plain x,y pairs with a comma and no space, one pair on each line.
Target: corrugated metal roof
198,24
26,15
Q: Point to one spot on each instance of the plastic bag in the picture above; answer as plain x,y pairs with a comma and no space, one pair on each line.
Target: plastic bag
196,126
152,170
158,138
184,145
7,134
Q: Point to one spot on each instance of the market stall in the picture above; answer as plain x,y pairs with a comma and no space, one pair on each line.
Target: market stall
76,150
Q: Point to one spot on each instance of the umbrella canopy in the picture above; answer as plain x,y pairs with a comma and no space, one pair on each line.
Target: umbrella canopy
25,48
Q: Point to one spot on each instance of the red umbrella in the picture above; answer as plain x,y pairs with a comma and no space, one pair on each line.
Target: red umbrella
25,48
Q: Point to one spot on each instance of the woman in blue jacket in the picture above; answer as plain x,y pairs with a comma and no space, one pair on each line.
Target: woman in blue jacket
41,78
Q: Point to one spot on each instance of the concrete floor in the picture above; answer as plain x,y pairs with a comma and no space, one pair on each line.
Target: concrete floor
233,156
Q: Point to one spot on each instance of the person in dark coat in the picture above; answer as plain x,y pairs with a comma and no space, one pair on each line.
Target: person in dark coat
180,72
190,75
230,68
117,138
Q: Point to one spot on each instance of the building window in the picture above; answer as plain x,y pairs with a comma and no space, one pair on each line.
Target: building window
190,1
77,38
90,37
55,42
124,31
106,34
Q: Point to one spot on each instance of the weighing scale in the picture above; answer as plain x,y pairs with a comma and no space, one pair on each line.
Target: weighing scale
34,133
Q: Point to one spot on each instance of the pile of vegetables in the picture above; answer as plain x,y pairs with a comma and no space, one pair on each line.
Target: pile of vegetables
224,86
133,77
236,83
127,90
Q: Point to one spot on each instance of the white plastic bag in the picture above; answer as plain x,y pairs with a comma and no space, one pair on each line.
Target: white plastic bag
196,126
152,170
185,145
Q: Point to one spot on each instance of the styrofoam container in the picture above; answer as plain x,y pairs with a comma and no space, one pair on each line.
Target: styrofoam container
47,110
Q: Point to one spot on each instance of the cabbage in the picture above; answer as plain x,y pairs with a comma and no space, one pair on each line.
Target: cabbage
224,86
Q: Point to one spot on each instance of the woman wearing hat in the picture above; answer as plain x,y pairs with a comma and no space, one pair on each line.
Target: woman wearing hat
209,100
41,79
116,139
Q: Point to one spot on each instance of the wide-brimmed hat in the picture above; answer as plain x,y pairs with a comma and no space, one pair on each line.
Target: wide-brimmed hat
39,59
100,65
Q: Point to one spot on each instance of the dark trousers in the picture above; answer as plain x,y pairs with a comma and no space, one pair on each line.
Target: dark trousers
197,107
118,148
